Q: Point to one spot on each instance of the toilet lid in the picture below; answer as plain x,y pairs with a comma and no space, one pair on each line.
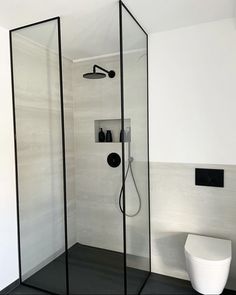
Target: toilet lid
208,248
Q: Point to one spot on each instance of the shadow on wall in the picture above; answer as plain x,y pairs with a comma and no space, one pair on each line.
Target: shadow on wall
170,250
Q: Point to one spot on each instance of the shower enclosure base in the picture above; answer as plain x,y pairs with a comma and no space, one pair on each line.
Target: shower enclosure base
91,271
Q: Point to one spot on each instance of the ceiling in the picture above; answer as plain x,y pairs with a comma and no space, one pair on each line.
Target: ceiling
163,15
90,27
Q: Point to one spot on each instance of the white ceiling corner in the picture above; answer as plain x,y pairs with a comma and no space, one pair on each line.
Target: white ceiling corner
90,27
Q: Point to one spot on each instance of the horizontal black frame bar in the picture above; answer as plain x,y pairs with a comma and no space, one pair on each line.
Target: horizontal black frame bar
35,24
133,17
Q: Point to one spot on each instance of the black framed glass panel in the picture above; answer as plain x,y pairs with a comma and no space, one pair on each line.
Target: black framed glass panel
38,120
135,151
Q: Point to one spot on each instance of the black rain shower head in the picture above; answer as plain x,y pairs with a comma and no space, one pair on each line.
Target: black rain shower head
95,75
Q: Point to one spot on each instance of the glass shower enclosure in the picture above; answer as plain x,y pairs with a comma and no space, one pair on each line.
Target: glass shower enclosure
83,204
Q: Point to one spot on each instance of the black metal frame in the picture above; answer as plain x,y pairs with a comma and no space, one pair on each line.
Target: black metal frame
123,6
111,74
123,143
63,149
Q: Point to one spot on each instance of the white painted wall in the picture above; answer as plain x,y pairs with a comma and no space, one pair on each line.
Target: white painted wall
8,225
192,94
192,122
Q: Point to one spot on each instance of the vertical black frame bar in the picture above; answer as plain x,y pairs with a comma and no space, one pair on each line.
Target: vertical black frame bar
123,143
15,153
148,151
123,6
63,152
63,149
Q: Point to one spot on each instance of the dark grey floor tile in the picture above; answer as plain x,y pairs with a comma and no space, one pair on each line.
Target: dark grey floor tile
158,284
22,290
163,285
95,271
91,271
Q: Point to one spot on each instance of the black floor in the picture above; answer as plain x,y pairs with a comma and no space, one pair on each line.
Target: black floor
98,272
91,271
156,285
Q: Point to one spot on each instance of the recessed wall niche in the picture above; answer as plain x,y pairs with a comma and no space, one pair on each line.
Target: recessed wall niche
111,124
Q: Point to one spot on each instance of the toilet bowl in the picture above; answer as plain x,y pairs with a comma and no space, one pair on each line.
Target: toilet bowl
208,263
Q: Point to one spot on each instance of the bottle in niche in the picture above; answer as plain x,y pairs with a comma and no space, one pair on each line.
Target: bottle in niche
122,136
128,134
101,136
108,136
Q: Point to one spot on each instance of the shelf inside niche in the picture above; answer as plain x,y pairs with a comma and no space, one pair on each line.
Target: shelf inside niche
110,124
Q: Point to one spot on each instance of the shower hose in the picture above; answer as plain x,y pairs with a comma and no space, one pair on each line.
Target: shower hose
129,168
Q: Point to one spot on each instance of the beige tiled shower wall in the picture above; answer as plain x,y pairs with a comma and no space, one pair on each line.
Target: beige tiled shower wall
39,146
99,221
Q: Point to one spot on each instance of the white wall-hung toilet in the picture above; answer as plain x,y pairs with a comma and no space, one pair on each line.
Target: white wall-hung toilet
208,263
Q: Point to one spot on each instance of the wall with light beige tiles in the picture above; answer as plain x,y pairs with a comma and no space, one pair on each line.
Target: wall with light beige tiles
39,151
99,219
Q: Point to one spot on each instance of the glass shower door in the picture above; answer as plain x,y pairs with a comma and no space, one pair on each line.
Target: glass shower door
134,84
40,158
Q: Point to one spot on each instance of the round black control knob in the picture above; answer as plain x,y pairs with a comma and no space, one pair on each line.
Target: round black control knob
113,160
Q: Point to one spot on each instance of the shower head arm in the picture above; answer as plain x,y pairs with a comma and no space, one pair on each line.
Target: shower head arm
99,75
102,69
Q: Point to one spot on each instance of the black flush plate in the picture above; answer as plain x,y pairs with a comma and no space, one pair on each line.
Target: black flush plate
209,177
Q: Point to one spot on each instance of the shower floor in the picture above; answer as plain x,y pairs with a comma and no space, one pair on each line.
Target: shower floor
91,271
156,285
